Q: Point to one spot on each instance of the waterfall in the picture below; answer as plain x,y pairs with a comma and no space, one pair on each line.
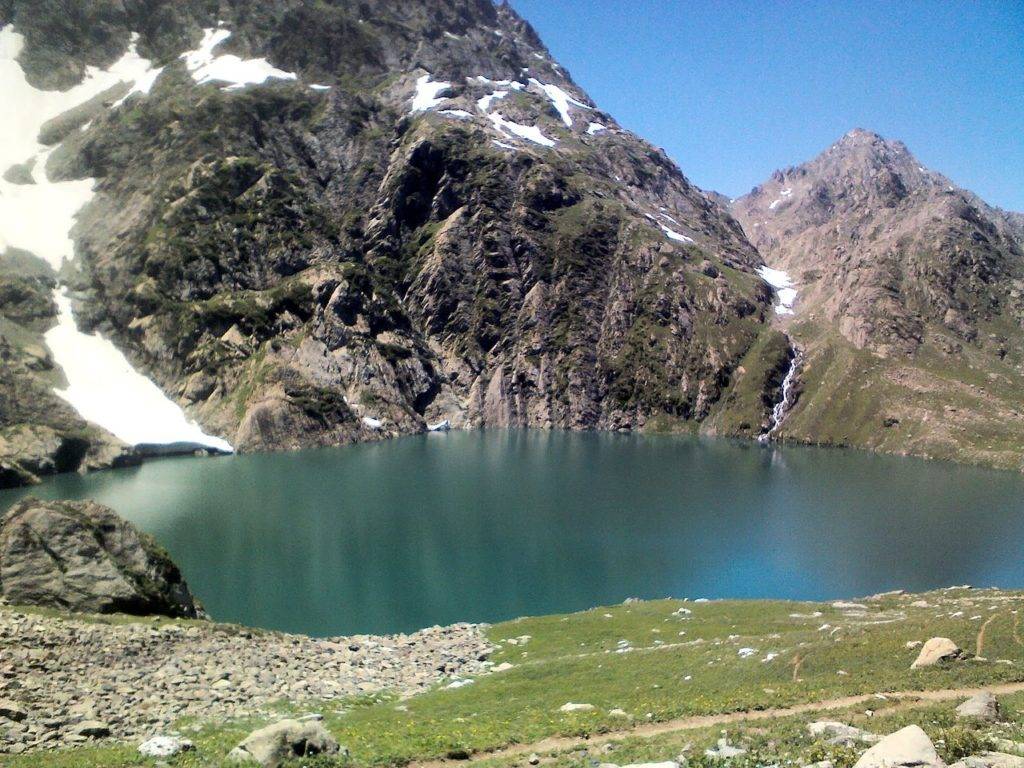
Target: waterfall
781,409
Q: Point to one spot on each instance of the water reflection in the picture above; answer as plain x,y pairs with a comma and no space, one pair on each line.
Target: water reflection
486,526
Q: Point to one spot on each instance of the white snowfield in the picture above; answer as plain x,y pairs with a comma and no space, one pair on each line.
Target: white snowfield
427,92
595,128
228,68
39,217
783,285
105,389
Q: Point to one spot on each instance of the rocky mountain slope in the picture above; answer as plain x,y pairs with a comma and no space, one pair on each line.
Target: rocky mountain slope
318,222
911,303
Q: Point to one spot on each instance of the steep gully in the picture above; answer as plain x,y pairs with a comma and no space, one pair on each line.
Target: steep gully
786,293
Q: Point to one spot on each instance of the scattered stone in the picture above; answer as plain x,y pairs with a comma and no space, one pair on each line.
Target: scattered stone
724,750
138,678
12,710
619,712
909,747
534,759
841,733
982,706
165,746
572,707
92,560
936,650
284,740
990,760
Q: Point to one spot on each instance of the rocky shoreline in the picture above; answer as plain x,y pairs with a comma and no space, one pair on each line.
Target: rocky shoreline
65,681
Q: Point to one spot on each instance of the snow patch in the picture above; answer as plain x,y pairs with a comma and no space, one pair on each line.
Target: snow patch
371,423
528,132
673,235
595,128
38,217
484,102
459,113
560,99
105,389
426,96
783,285
230,69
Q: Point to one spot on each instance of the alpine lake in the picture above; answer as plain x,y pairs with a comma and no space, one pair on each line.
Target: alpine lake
489,525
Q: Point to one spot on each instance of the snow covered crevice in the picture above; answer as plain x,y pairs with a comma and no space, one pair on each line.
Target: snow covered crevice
787,396
783,285
233,71
39,217
105,389
560,99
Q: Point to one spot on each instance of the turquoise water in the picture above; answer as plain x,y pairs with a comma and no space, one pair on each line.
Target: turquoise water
483,526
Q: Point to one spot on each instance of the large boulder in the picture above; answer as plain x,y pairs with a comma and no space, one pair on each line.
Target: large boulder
909,747
82,556
935,650
982,706
284,740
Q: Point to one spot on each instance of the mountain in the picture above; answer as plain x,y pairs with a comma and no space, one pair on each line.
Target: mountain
314,222
910,303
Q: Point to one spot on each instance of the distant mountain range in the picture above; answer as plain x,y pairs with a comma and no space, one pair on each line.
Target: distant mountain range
314,223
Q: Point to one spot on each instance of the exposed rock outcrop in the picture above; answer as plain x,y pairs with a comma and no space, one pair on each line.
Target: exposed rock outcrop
335,257
81,556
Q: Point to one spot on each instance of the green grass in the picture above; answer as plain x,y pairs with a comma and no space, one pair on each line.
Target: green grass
680,665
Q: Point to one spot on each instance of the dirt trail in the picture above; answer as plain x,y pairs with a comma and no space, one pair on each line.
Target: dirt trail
560,743
980,644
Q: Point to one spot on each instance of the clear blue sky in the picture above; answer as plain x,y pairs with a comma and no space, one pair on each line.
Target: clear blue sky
734,90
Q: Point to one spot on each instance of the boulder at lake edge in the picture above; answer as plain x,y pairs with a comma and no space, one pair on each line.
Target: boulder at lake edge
82,556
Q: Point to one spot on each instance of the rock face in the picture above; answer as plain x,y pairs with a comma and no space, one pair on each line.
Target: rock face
983,706
910,305
284,740
909,747
303,266
936,650
81,556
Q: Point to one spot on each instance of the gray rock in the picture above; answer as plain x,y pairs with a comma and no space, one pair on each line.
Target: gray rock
165,746
841,733
908,747
990,760
284,740
82,556
982,706
91,728
12,710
